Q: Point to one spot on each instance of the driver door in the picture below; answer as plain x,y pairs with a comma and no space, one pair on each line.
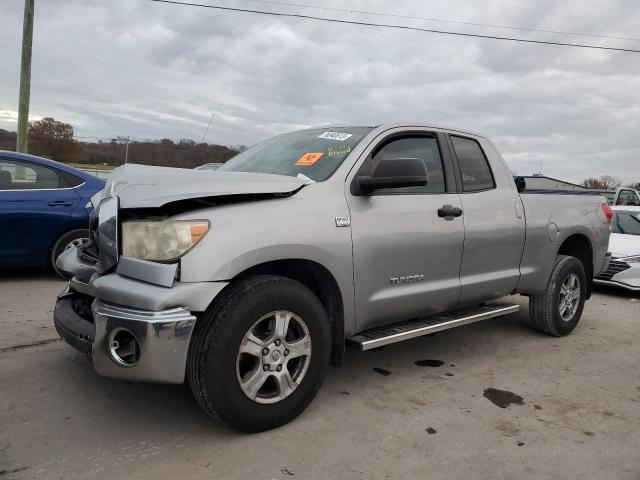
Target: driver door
406,257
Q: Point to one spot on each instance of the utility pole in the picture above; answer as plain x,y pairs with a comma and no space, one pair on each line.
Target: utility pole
25,76
126,151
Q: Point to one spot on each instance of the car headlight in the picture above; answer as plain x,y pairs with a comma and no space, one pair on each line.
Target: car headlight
634,259
161,241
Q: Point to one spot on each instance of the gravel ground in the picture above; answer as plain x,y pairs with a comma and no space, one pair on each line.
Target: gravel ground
427,408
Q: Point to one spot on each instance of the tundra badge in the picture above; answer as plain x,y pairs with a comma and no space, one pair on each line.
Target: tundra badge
406,279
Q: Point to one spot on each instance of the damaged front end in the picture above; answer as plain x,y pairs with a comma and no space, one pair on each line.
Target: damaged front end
119,321
127,308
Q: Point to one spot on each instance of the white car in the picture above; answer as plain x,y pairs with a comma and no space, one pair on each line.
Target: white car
624,245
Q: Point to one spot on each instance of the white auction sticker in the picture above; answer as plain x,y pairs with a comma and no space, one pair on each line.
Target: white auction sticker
341,137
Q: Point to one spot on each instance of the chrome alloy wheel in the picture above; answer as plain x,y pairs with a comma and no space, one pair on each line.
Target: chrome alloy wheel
273,357
569,297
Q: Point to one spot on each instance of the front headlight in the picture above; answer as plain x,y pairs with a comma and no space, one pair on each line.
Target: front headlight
161,241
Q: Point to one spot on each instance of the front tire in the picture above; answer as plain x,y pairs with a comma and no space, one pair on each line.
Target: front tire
74,238
260,353
557,311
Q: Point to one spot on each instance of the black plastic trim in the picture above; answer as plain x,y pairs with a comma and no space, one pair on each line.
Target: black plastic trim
75,330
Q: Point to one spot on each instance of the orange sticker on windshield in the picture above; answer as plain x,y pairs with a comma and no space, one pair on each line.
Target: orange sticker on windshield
309,158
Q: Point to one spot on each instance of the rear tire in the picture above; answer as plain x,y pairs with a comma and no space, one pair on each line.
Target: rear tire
222,362
68,240
557,311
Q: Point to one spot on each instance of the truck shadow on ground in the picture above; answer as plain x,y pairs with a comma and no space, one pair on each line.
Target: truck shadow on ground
615,292
454,356
172,408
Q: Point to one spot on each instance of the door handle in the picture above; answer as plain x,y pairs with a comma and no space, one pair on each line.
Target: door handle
449,211
60,203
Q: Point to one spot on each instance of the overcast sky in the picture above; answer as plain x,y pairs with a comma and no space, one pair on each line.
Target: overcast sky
149,70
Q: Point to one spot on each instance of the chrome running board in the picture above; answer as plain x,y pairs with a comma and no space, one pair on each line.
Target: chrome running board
397,332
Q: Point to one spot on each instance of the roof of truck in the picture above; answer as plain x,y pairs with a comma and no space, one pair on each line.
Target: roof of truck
390,125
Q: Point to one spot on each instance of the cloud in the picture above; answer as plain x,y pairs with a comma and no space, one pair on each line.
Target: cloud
11,117
150,71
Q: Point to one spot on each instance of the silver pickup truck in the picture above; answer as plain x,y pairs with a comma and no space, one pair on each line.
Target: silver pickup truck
247,282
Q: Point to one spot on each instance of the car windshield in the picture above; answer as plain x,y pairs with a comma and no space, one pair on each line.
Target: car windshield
626,223
315,153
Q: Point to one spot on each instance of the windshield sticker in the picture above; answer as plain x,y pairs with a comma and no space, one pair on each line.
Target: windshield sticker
340,136
309,158
334,150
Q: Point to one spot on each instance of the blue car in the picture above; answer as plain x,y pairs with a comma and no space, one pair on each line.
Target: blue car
44,208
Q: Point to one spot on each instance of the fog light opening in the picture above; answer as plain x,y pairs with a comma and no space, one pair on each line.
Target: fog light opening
124,349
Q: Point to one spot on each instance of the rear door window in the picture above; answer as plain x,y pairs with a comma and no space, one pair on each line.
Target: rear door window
16,175
474,167
68,180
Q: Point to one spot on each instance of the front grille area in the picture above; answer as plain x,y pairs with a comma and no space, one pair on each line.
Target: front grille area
615,266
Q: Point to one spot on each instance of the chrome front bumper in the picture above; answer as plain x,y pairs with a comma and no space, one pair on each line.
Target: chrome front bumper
136,322
161,339
128,343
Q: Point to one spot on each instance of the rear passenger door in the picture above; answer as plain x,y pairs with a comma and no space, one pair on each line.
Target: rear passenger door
493,221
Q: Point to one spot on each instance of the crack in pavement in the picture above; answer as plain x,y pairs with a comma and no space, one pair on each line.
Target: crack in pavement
27,345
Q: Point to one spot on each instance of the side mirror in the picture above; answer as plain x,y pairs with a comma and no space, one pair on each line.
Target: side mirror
394,173
521,184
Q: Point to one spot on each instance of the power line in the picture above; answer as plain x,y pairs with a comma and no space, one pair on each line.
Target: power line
399,27
205,132
442,20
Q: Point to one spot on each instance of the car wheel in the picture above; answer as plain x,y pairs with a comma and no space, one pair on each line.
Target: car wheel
557,311
260,353
74,238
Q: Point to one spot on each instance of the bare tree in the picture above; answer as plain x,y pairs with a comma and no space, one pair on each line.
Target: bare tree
238,148
53,139
605,182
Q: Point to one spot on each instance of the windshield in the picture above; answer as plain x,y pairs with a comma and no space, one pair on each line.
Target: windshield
315,153
626,223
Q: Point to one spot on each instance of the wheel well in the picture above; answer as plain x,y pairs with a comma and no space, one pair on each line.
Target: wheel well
322,283
579,246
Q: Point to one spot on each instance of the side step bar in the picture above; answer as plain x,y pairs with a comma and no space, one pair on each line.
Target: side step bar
379,336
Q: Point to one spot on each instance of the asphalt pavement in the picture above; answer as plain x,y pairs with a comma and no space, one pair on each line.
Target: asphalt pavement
489,400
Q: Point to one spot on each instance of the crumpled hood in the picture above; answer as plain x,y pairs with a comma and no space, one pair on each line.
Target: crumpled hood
621,245
141,186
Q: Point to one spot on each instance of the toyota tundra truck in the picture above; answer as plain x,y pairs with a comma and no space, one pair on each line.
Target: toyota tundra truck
247,282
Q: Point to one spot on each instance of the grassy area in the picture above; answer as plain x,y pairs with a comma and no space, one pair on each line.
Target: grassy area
92,166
